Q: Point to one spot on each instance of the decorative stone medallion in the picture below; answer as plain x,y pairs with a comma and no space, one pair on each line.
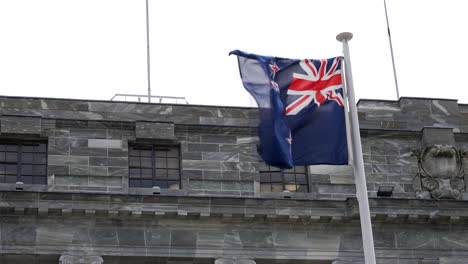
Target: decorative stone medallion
440,173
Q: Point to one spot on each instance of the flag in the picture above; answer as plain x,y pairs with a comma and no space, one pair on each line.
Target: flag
302,120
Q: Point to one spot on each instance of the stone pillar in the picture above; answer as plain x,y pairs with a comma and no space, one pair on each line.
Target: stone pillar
69,259
234,260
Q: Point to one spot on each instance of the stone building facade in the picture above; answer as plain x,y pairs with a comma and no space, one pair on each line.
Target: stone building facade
77,177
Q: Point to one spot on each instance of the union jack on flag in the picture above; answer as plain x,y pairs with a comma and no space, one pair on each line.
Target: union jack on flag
320,83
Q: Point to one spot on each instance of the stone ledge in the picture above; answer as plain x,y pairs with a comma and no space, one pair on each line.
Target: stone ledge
55,204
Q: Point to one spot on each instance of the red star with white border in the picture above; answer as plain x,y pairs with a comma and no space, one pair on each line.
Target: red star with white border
274,69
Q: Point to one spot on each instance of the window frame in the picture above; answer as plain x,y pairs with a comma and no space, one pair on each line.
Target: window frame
270,170
154,178
20,164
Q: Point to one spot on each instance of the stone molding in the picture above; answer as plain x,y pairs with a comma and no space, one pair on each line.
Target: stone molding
72,259
269,210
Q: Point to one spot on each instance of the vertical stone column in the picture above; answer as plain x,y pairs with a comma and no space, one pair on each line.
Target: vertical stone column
69,259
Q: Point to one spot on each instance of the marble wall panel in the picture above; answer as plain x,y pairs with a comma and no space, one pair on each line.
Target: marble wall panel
20,125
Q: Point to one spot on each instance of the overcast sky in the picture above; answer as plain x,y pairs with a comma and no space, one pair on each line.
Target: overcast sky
93,49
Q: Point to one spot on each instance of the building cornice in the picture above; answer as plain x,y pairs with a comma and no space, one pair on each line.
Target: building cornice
55,204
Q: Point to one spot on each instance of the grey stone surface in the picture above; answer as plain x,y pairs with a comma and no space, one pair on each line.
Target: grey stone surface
20,125
219,212
154,130
104,143
439,136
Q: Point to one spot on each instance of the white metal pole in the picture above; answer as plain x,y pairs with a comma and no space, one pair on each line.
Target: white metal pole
359,173
148,53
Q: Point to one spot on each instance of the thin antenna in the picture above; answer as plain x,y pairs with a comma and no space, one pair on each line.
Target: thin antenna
148,53
391,52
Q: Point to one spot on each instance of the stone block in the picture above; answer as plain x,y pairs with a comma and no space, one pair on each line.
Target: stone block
241,149
331,169
79,170
219,139
192,174
350,241
81,236
108,161
342,179
55,235
227,121
116,152
232,240
67,160
440,136
220,156
88,133
130,237
58,150
445,107
71,180
18,234
336,188
453,260
212,185
415,106
185,238
249,157
420,239
57,169
104,143
105,181
20,125
104,236
256,239
157,238
384,239
212,239
230,185
98,171
154,130
194,111
192,155
117,171
201,165
202,147
449,240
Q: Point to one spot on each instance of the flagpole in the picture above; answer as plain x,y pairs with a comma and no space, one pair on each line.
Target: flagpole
359,173
391,52
148,53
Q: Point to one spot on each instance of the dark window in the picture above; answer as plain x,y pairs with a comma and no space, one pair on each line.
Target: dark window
274,179
23,162
154,165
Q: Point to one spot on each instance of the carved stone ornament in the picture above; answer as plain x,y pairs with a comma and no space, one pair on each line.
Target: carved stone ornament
234,260
441,174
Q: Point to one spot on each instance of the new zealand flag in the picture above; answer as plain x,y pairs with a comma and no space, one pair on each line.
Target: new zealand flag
302,119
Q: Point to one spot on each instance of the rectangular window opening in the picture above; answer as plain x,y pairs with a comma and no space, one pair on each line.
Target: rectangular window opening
23,161
154,165
273,179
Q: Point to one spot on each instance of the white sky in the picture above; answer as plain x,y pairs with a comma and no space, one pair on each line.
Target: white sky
93,49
